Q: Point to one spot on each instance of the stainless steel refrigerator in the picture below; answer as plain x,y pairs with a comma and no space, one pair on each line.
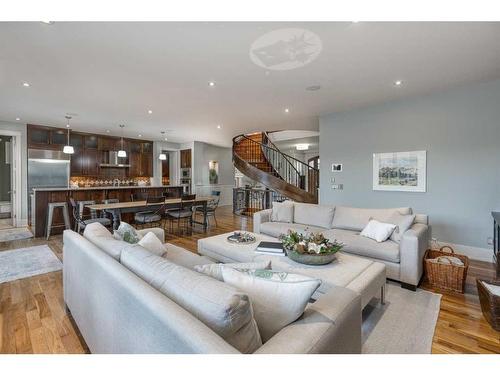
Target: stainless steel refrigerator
46,169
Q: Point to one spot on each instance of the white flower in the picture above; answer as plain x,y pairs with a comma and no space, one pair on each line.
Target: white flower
312,247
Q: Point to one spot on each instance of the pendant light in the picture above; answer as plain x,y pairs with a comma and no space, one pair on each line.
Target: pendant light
122,153
68,149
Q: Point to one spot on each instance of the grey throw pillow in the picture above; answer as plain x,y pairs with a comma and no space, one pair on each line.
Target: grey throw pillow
402,222
282,212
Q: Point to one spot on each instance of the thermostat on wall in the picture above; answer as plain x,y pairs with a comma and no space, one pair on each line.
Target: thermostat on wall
336,167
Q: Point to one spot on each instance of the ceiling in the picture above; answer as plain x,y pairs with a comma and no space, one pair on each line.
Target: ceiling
112,73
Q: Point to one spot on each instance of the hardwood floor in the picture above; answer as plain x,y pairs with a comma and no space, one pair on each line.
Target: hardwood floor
33,318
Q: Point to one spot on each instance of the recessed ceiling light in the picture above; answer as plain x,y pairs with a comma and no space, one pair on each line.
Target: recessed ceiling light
140,135
398,83
211,83
150,111
18,119
107,131
166,138
287,110
26,84
219,126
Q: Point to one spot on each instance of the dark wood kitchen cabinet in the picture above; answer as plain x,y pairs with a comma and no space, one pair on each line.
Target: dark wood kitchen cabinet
141,159
186,158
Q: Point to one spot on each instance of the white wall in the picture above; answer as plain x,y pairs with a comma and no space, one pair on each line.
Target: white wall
202,154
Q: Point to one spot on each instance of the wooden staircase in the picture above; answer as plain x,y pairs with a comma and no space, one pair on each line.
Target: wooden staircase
258,158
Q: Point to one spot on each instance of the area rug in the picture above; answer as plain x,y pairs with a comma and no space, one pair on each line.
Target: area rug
15,234
404,325
29,261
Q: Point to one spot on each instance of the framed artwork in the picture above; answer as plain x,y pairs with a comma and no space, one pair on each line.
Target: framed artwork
400,171
213,172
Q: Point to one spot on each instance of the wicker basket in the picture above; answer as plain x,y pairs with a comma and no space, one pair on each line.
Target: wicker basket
490,303
443,275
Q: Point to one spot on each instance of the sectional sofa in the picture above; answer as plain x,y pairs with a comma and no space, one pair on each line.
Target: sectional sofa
126,300
403,257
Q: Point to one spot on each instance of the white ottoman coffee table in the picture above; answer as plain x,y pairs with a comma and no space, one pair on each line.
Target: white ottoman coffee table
363,276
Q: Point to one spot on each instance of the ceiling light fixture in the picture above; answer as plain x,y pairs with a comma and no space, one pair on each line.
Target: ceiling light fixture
219,126
107,130
47,22
163,156
302,147
68,149
18,119
287,110
211,83
150,111
122,153
26,84
313,88
140,135
398,83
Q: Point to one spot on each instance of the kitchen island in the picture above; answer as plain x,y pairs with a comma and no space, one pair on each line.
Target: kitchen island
43,196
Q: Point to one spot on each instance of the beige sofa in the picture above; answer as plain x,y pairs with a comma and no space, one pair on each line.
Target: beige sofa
403,260
118,311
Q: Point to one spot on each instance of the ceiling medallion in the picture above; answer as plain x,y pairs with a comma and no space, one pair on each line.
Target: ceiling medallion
285,49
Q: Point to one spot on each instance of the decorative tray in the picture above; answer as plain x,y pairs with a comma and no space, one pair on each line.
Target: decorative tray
241,238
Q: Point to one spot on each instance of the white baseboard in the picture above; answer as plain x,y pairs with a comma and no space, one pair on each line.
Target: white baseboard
476,253
22,223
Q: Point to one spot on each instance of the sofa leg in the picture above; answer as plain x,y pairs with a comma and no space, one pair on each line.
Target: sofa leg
382,295
411,287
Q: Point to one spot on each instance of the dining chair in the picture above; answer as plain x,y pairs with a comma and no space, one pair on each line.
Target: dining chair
81,223
151,217
211,206
184,213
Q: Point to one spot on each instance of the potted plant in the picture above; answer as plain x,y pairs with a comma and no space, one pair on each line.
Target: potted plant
310,248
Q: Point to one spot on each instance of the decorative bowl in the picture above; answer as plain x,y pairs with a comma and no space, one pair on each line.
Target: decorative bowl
311,259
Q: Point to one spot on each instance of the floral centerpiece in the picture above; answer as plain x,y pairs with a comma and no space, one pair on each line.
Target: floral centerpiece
310,248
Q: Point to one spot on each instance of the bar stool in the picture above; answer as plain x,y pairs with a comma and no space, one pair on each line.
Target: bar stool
50,216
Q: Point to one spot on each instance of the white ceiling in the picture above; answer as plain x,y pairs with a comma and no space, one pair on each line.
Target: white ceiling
111,73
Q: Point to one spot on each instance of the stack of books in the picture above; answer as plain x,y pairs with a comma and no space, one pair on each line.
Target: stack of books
270,248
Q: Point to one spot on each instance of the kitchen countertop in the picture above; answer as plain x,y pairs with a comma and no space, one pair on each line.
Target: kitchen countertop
106,188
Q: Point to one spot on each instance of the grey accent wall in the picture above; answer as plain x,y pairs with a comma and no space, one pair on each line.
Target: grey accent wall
460,130
24,165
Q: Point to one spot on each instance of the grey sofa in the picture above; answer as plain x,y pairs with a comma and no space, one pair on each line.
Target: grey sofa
403,259
119,312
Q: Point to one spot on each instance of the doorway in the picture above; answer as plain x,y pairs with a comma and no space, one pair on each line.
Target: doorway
6,182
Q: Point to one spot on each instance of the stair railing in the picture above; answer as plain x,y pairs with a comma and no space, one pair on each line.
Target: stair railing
269,158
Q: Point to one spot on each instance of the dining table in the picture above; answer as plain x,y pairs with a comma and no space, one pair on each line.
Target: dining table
116,209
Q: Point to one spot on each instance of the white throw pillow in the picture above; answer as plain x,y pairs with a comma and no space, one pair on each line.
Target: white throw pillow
402,222
223,308
96,230
153,244
378,231
215,269
278,298
282,212
127,233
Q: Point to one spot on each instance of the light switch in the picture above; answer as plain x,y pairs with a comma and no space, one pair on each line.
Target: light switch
338,186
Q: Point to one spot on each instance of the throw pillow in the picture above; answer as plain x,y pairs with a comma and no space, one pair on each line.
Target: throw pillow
152,243
282,212
378,231
220,306
215,270
278,298
127,233
402,222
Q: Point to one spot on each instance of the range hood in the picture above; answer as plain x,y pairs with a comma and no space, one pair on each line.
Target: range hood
114,161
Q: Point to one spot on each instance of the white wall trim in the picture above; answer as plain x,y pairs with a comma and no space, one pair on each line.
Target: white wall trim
476,253
17,158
